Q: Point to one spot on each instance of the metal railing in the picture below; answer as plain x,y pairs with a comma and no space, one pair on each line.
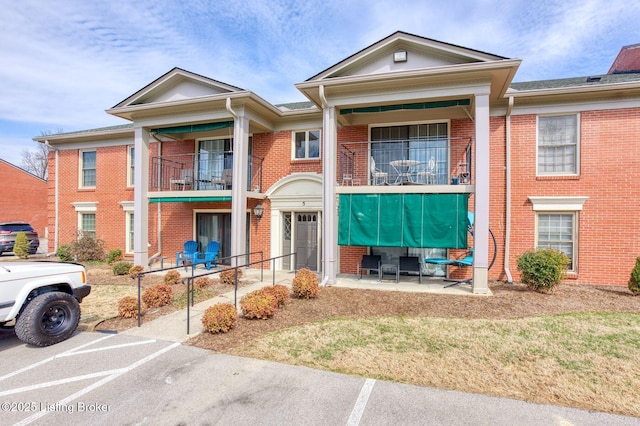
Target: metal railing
191,279
419,161
208,171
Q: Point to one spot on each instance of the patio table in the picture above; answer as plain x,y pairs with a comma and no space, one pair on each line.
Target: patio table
404,168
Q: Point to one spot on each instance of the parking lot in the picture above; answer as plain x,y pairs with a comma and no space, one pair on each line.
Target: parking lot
108,379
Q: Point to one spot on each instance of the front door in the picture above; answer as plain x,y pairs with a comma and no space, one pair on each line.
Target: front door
306,240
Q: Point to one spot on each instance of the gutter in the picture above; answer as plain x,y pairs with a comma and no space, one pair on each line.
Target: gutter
325,104
56,223
507,231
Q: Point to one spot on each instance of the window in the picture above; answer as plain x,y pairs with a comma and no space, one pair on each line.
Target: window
87,222
130,240
558,231
558,145
87,169
130,168
306,144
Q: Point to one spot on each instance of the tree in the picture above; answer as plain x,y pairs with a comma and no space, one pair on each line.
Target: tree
36,161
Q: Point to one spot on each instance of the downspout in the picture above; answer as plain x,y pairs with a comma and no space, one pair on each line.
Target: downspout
507,230
159,225
325,104
56,223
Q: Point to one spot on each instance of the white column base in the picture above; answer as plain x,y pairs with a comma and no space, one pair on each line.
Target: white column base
480,283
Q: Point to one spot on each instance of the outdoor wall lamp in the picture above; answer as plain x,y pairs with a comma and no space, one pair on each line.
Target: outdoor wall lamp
258,211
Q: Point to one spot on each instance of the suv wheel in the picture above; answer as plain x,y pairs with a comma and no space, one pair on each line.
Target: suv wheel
48,319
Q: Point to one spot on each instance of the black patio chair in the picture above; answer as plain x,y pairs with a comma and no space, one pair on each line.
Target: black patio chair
410,264
371,262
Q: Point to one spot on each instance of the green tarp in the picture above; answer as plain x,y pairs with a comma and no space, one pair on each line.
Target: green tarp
190,128
420,105
403,220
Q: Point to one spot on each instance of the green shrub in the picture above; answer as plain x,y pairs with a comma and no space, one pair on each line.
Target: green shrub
87,248
306,284
541,270
258,304
201,283
172,277
135,270
21,245
228,276
128,307
220,318
114,256
157,296
64,253
121,267
634,279
280,292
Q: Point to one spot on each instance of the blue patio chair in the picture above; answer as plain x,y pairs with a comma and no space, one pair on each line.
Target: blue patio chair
210,255
188,253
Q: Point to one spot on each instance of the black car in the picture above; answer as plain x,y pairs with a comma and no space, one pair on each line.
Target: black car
8,232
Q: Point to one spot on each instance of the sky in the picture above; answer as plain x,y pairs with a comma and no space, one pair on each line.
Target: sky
64,62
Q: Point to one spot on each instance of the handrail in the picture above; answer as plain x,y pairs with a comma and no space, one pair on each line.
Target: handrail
190,280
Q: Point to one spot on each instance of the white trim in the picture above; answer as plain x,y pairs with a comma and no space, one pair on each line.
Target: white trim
85,206
572,107
557,204
81,168
129,240
578,142
306,145
574,234
130,166
127,206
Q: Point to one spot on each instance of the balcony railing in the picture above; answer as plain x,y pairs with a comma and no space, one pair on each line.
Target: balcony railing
199,172
419,161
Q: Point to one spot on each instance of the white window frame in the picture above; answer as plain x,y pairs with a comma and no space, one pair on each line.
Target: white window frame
84,208
574,234
576,172
560,206
129,237
306,144
130,166
81,168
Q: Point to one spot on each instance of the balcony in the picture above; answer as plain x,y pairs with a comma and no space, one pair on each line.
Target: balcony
200,172
411,162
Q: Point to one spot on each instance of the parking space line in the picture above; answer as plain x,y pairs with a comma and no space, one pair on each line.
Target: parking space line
361,403
62,381
100,383
106,348
44,361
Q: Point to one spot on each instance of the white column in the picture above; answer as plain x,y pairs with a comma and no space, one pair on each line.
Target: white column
140,200
239,188
481,225
329,205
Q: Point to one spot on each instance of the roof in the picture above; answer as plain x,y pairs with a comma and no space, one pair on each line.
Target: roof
627,61
594,80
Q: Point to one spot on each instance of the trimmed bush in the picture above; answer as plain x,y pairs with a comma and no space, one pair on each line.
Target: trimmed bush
114,256
121,267
220,318
64,253
21,246
128,307
228,276
172,277
201,283
306,284
258,304
280,292
543,269
135,271
157,296
634,279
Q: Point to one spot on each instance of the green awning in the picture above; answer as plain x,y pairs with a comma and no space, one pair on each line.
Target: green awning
415,106
187,199
192,128
403,220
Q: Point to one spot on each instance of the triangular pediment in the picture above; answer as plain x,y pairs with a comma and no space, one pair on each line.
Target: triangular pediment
177,85
404,52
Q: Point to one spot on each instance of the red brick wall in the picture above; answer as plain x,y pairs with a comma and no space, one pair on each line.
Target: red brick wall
24,197
608,242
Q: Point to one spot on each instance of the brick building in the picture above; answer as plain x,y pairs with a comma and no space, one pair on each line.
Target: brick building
396,144
24,197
